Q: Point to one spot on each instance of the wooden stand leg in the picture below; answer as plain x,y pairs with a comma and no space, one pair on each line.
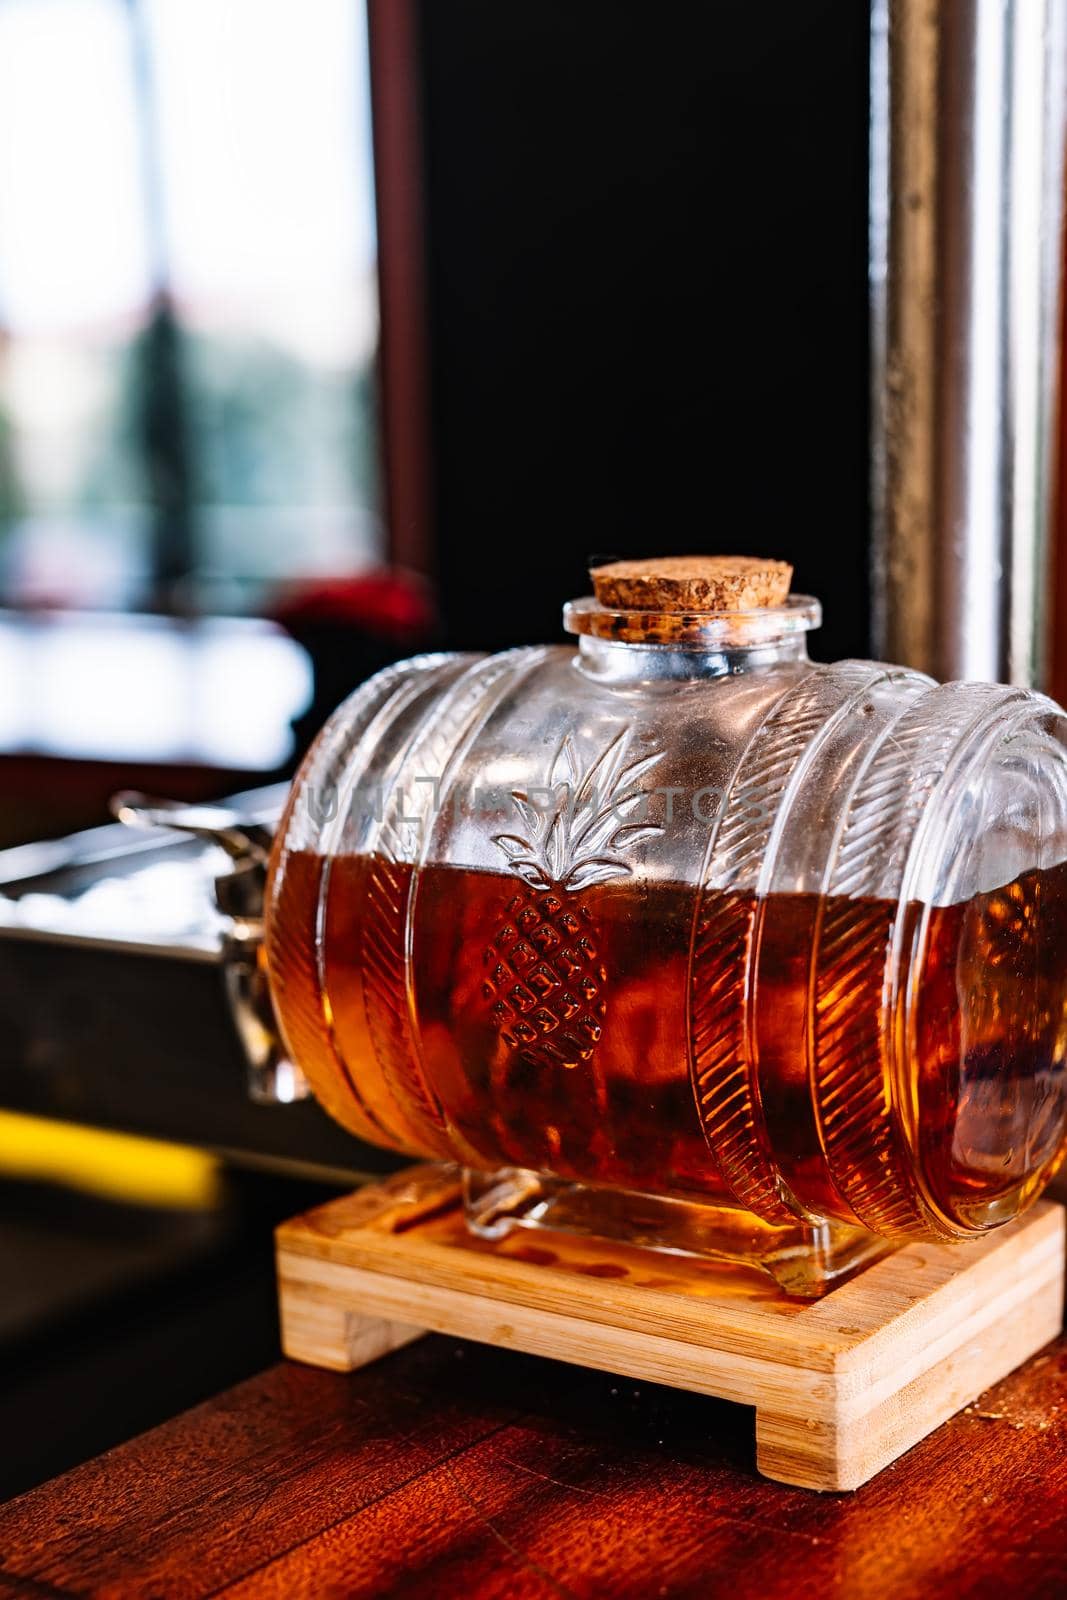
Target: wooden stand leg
326,1335
839,1433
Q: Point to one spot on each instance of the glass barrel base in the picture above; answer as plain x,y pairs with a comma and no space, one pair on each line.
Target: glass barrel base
803,1260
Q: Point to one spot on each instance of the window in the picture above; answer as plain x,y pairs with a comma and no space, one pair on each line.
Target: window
188,300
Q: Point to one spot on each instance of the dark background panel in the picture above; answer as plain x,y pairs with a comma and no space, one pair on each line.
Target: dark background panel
648,301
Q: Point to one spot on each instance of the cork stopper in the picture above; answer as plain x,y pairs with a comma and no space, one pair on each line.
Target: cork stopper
676,584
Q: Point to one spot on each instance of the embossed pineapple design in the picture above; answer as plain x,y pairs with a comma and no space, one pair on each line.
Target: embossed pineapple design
545,977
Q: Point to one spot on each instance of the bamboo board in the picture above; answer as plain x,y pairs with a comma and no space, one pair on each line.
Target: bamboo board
841,1387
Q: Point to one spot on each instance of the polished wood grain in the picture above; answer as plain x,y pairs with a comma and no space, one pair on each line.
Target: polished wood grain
456,1470
840,1388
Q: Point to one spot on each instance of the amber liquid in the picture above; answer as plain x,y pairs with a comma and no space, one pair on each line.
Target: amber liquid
552,1031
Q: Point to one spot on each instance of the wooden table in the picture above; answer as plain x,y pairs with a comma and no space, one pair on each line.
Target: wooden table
451,1469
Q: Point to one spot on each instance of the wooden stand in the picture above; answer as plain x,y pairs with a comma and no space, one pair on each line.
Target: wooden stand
841,1386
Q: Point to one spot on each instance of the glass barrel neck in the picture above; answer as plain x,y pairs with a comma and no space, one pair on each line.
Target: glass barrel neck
612,662
620,646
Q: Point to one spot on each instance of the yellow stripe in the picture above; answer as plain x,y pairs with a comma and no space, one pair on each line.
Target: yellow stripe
118,1166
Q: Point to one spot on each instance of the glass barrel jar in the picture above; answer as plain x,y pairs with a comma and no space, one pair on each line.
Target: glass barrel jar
684,938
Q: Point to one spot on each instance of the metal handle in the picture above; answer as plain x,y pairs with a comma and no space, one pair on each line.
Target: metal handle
242,838
273,1077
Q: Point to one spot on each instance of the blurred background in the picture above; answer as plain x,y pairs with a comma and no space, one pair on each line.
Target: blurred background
331,330
188,381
